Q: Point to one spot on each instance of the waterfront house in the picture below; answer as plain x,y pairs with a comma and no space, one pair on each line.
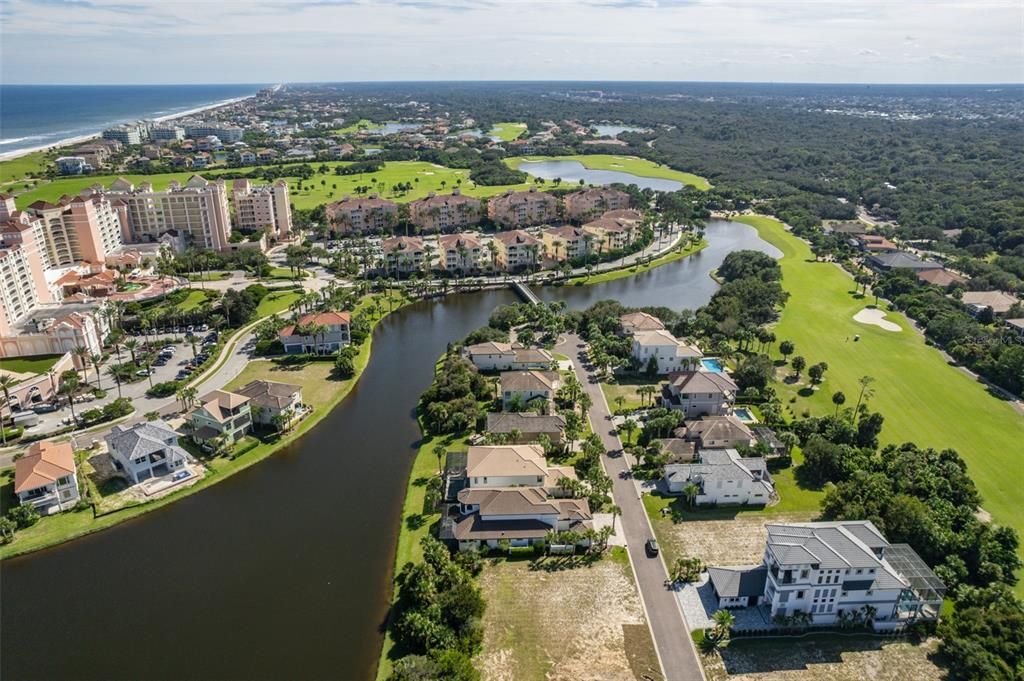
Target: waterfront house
272,403
146,450
508,493
633,322
220,414
668,353
526,427
722,477
525,389
317,332
699,393
833,572
46,477
494,356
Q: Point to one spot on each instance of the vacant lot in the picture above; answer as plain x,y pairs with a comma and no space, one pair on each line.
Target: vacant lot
824,658
717,536
549,624
626,388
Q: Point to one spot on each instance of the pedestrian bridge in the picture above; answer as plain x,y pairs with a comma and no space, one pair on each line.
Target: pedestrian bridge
525,292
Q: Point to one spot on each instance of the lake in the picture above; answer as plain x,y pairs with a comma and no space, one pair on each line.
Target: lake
392,128
284,570
573,171
614,130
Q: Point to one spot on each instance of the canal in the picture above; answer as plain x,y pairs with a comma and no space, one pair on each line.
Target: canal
283,571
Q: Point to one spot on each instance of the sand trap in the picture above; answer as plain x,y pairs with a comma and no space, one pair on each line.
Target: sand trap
876,317
426,172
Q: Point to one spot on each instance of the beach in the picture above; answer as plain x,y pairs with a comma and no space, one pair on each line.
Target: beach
70,141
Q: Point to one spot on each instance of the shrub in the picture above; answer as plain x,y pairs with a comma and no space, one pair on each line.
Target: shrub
165,389
24,515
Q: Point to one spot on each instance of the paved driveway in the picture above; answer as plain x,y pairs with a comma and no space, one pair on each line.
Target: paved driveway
671,636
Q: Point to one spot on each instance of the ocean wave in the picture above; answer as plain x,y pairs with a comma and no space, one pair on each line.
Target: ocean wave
15,140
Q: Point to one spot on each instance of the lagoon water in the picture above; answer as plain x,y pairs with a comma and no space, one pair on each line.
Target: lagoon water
573,171
283,570
614,130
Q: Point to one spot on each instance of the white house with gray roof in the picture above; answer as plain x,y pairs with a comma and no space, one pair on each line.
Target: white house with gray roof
723,477
831,572
146,450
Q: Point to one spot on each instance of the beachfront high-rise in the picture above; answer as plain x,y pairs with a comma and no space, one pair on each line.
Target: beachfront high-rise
18,294
262,208
75,230
198,210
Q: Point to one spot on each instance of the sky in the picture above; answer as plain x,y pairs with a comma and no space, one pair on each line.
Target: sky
264,41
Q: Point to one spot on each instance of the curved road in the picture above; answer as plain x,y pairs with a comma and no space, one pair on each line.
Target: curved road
672,640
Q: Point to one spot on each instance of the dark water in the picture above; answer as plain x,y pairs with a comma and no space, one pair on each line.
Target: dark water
37,115
574,171
283,571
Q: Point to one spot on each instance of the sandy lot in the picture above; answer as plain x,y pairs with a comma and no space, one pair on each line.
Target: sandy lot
875,317
583,623
733,541
824,659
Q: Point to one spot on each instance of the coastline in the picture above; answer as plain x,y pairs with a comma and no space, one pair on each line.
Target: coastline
11,155
251,458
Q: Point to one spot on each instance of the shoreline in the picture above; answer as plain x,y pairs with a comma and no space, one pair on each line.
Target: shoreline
78,139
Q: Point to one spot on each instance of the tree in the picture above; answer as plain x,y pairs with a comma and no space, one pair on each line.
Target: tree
131,345
817,371
724,621
786,348
7,382
69,384
96,360
798,365
616,512
838,399
686,569
866,392
440,452
690,492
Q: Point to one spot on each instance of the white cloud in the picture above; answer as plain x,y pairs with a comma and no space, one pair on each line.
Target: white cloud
148,41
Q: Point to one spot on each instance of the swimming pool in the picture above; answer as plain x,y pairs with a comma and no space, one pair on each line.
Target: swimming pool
713,364
744,415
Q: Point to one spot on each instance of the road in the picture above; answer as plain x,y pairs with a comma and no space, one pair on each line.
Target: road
675,648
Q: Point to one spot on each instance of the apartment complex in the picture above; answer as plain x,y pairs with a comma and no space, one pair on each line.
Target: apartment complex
614,230
73,230
566,242
198,210
404,253
521,209
228,134
445,212
517,249
262,208
461,252
359,215
587,204
17,289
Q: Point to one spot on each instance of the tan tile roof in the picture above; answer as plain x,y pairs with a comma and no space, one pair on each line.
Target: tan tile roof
505,460
269,393
521,381
997,300
641,321
517,237
219,403
43,464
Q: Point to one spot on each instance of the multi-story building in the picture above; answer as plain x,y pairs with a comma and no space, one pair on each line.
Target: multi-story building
265,208
587,204
167,133
54,330
667,353
404,253
73,165
320,333
199,210
521,209
566,242
460,252
360,215
18,296
228,134
445,212
700,393
722,476
833,572
146,450
128,135
83,228
612,233
46,477
518,250
221,415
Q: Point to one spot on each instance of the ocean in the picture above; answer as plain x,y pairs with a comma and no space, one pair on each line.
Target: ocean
39,115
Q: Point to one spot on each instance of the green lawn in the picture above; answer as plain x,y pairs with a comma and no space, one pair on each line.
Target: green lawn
507,131
33,164
626,387
319,390
276,302
584,280
320,188
923,399
192,301
361,124
39,364
627,164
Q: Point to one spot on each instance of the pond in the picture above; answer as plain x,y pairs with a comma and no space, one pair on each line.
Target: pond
572,172
284,570
393,127
614,130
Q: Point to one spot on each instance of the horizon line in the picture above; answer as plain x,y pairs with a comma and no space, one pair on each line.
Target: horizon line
529,81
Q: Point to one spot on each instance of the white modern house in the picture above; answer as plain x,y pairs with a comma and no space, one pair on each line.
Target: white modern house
46,477
509,493
146,450
722,477
493,356
700,393
670,353
834,572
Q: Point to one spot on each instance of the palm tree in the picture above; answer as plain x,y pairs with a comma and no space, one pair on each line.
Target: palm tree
131,345
724,621
97,360
82,353
69,384
439,452
690,493
838,398
114,373
616,512
865,393
6,383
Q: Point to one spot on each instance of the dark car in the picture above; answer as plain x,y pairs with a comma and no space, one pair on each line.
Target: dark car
651,547
45,408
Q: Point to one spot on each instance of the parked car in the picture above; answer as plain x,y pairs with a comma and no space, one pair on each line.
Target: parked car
45,408
651,547
143,372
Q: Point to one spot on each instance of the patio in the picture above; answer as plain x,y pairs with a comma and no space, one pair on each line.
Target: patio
699,603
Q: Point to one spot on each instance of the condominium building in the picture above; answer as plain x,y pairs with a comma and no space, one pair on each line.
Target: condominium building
566,242
131,134
167,133
611,233
228,134
17,288
517,249
404,253
589,203
73,165
263,208
445,212
461,252
73,230
199,210
521,209
372,214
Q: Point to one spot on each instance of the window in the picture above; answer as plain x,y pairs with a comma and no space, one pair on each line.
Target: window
868,593
799,595
803,573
